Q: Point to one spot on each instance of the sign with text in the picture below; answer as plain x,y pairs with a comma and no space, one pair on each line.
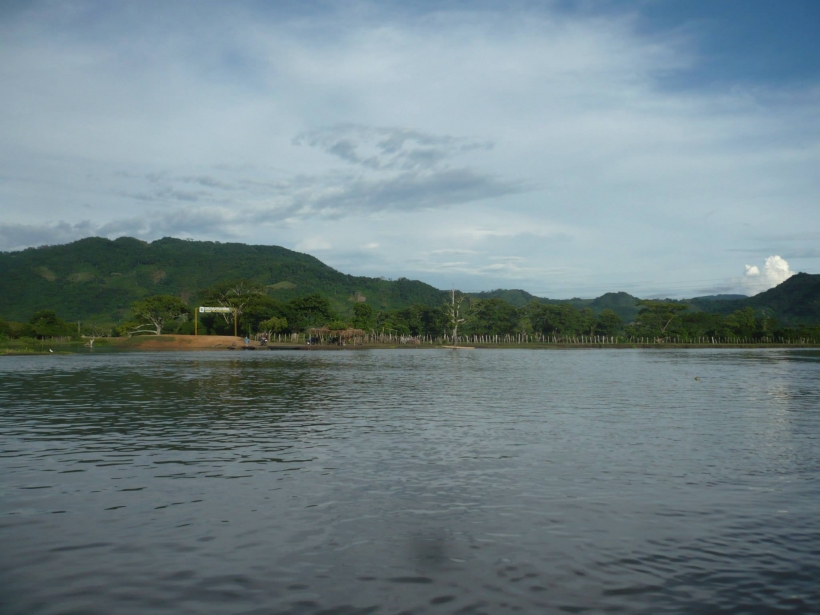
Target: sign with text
206,310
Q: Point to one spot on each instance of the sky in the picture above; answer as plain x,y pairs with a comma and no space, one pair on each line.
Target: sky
658,147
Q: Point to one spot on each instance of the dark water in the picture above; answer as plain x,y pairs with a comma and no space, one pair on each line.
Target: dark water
411,482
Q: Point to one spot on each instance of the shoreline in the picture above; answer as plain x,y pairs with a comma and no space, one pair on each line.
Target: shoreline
191,343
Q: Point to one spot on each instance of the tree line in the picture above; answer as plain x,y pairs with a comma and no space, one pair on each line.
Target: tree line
253,312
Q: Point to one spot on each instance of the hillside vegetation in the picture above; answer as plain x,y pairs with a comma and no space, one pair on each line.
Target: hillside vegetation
796,301
99,278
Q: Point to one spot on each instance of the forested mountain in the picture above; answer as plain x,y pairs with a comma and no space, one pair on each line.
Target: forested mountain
100,278
513,296
795,301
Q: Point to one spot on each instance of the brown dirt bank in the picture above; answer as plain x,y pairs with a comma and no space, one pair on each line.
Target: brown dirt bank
178,342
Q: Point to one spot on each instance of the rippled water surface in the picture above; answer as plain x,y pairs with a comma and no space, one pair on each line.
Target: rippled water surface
411,481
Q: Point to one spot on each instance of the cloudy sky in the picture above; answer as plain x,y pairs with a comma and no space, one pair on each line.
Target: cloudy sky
664,147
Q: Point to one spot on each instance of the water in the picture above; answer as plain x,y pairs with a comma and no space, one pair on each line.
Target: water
411,481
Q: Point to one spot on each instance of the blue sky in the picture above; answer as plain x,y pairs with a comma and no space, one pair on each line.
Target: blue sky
566,148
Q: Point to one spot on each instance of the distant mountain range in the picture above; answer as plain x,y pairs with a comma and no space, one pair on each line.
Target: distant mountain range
623,304
98,278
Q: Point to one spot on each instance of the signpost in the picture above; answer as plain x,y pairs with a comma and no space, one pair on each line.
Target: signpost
210,310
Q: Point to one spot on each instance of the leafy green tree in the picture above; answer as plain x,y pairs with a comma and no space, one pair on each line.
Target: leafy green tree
16,329
363,317
275,324
46,323
551,319
524,323
742,323
261,308
415,320
309,311
768,324
432,321
492,317
609,323
587,321
655,317
701,324
397,322
409,321
154,312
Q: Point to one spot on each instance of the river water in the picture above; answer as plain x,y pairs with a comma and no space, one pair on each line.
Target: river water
411,481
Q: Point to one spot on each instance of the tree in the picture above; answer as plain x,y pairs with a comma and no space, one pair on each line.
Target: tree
154,312
587,321
609,323
550,319
702,324
742,322
655,317
493,317
273,325
261,309
768,324
46,323
93,330
455,314
309,311
235,294
363,317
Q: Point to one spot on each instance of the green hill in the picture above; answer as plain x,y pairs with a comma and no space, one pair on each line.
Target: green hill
513,296
100,278
793,302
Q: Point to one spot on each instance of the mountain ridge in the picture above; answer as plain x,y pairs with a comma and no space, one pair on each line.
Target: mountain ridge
99,278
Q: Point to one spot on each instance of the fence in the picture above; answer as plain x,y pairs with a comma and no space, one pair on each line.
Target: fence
541,340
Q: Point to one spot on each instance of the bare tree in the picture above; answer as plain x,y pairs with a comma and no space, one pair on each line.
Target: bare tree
454,312
154,312
93,331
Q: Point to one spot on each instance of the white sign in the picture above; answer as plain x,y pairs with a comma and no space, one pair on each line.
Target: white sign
205,310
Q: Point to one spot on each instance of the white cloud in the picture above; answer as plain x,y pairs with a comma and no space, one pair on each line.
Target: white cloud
544,136
775,271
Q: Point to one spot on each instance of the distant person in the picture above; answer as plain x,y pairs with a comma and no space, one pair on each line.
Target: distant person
247,341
